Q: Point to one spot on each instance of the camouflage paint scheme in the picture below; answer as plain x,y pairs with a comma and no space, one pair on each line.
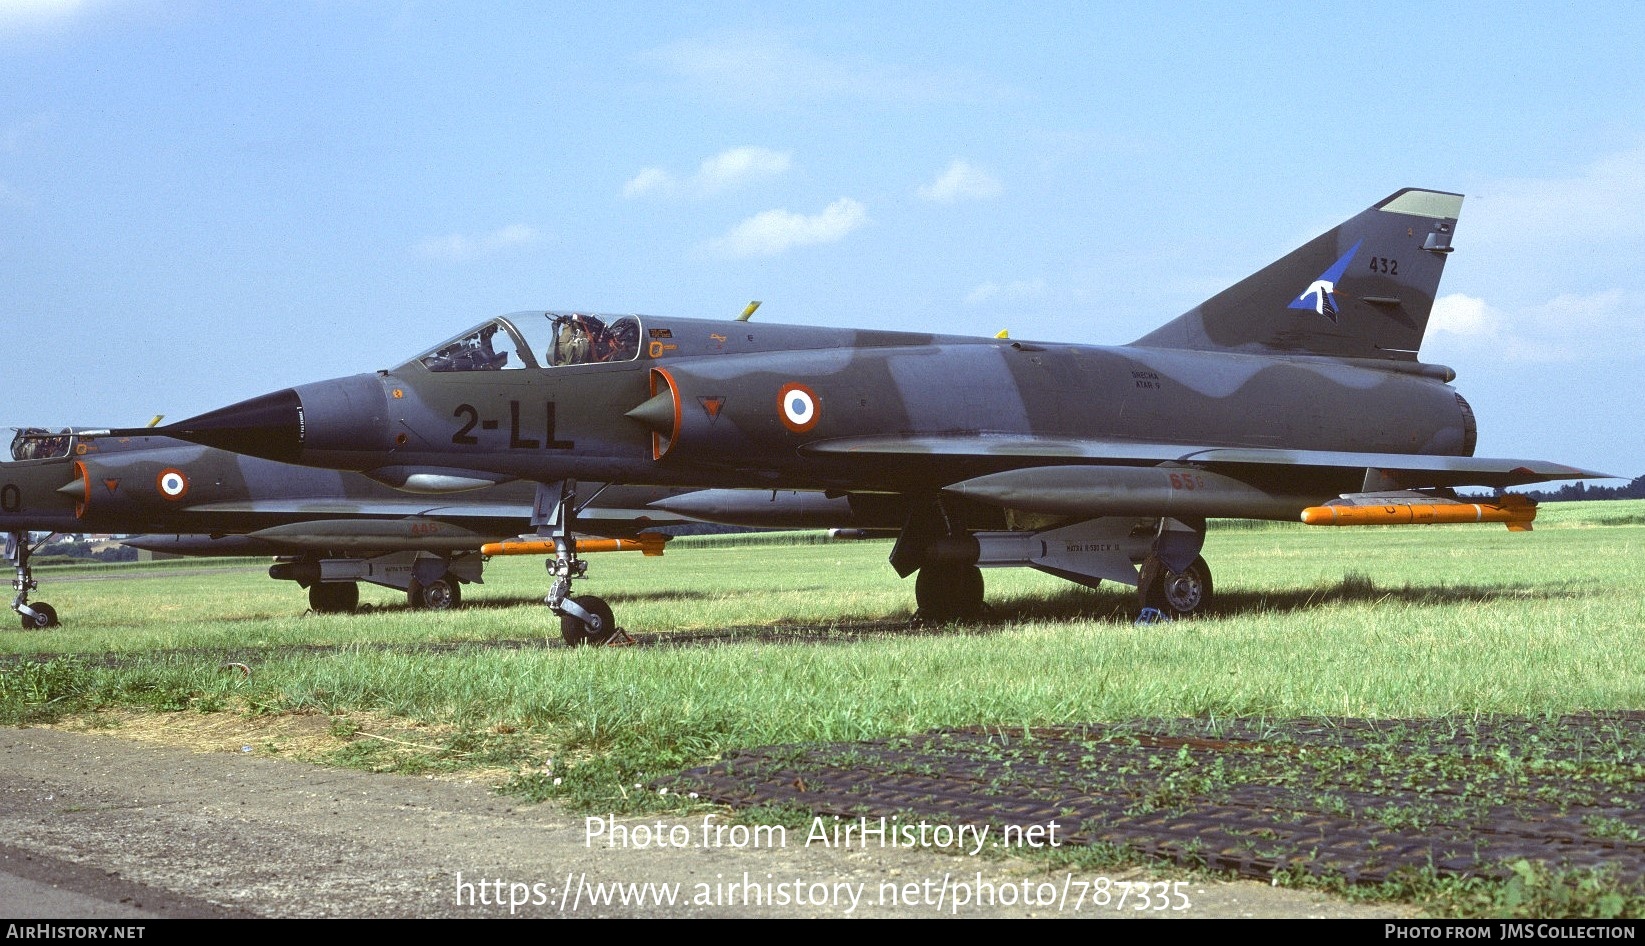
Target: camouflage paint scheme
1297,386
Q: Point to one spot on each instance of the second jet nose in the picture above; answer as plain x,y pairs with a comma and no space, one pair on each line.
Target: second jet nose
296,424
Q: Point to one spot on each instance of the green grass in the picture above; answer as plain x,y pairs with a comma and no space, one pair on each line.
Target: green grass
1365,622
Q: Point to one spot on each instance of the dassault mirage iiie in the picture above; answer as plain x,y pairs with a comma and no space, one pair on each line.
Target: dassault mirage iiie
1295,392
327,530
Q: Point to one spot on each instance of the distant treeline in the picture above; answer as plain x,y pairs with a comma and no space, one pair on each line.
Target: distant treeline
1581,490
71,549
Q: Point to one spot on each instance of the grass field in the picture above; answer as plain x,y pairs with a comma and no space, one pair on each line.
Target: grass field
1374,623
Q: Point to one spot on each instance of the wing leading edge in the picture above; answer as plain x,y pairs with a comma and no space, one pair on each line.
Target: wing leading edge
1408,471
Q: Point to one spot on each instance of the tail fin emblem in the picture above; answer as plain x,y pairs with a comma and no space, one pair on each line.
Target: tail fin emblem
1323,290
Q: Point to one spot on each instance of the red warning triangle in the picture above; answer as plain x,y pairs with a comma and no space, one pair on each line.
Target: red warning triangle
111,485
712,405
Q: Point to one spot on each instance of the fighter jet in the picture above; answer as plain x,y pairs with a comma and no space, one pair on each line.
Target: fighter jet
1296,392
328,530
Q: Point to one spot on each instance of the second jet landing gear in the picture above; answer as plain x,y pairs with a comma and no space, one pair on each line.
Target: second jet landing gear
39,615
584,619
431,581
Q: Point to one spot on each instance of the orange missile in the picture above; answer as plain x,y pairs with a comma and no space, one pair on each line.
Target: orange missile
647,543
1514,511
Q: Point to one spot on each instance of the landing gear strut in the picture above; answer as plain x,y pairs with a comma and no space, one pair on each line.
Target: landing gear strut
40,614
584,619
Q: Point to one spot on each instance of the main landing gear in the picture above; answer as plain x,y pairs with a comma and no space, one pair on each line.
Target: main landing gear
1175,594
39,615
584,619
334,597
431,581
441,594
948,591
948,551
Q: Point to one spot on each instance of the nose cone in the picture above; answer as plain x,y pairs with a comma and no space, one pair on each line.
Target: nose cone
297,425
268,426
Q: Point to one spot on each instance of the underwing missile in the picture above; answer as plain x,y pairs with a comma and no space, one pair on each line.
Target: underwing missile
1516,512
647,543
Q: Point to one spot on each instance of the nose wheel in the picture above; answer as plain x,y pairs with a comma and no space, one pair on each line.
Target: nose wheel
599,628
44,616
36,616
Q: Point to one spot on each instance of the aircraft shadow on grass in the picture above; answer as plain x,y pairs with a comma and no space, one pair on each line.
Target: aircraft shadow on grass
1074,604
1078,603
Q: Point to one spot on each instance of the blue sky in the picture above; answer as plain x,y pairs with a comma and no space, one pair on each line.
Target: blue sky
201,202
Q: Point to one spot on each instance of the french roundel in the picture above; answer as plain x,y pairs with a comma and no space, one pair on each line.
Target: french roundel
172,483
797,407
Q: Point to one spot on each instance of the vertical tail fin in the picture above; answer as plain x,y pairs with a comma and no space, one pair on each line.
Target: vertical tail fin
1362,290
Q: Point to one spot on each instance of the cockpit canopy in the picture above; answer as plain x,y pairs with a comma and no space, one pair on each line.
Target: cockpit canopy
537,340
38,443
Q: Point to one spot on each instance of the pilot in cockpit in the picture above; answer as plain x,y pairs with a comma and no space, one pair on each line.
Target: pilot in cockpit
34,443
581,339
574,341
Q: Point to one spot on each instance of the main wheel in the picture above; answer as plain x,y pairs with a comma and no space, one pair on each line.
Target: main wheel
576,632
1179,594
948,592
46,616
333,597
441,594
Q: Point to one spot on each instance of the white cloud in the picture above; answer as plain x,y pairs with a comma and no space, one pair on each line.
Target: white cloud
1577,236
768,69
31,12
1463,315
1017,289
732,167
776,231
1604,200
649,180
1565,328
728,169
56,16
460,246
961,181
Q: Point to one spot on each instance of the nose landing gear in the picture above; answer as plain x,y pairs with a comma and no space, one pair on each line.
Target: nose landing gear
39,615
584,619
